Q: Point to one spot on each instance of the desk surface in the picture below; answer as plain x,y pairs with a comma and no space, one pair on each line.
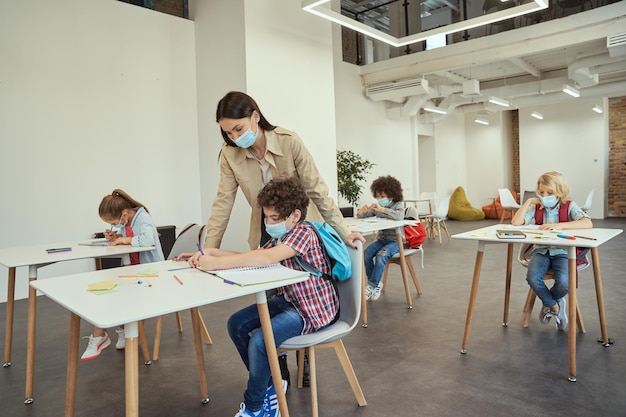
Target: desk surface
488,234
37,255
131,301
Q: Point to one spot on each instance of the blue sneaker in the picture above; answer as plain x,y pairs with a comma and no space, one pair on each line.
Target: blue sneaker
270,404
244,412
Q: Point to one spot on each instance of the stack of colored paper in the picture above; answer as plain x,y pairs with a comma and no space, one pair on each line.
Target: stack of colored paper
102,287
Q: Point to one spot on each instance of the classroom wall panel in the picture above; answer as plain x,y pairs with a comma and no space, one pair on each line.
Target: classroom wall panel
94,95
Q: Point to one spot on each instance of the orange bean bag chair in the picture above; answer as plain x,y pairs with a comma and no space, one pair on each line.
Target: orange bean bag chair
461,209
494,210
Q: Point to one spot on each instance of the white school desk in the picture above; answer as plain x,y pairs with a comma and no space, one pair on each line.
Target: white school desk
488,235
159,296
35,257
370,225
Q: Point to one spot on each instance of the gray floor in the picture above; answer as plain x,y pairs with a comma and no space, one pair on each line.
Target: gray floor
407,361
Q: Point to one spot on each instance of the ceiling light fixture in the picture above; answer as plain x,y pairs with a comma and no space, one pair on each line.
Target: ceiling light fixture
537,115
433,109
499,101
481,121
597,109
322,9
568,89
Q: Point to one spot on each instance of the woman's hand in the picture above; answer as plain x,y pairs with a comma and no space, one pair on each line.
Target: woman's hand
352,237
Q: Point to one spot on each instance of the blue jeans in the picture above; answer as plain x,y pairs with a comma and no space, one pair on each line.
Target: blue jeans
538,265
375,258
244,328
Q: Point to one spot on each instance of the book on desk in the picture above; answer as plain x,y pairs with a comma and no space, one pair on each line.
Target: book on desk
510,234
257,275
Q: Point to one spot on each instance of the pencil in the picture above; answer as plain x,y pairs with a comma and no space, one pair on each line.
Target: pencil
586,237
532,233
178,279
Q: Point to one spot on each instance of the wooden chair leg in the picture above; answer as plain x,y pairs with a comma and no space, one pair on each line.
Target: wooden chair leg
144,343
205,333
179,322
445,227
414,275
348,370
157,338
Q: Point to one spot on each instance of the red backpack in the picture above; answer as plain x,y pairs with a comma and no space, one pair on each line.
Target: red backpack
415,235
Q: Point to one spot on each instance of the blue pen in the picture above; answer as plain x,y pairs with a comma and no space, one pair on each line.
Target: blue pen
200,248
229,282
178,269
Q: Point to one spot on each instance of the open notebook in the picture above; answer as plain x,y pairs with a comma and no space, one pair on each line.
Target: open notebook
257,275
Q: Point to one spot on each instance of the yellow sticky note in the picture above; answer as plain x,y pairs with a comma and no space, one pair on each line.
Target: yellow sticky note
102,285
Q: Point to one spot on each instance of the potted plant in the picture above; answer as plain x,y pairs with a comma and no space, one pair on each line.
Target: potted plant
351,170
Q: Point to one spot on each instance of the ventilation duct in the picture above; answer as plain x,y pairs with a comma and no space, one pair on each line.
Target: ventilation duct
397,89
616,45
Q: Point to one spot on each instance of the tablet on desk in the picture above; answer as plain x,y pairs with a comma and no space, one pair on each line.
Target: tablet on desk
510,234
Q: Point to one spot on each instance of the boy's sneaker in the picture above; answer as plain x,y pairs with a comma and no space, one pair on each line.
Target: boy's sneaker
95,346
270,404
244,412
121,339
561,316
369,291
377,290
545,314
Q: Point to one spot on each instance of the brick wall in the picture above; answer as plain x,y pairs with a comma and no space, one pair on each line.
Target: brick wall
617,157
515,150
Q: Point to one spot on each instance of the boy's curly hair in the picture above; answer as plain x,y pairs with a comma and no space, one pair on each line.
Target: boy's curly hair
388,185
284,195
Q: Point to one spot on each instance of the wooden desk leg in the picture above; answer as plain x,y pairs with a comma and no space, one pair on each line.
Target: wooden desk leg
72,365
197,338
270,348
405,278
597,277
573,302
8,330
30,339
470,308
131,356
507,289
363,300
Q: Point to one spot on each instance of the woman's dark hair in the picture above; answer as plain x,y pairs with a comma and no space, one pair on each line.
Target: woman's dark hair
112,205
237,105
284,195
388,185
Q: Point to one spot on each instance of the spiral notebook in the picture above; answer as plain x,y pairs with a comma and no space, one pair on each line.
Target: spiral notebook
257,275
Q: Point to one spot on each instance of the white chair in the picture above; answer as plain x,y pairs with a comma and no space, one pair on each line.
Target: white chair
186,241
330,336
523,257
508,202
587,206
439,218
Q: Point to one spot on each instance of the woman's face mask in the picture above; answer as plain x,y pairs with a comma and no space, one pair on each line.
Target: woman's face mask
248,138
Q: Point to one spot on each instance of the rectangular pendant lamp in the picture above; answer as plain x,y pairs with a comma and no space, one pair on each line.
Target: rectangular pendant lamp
568,89
537,115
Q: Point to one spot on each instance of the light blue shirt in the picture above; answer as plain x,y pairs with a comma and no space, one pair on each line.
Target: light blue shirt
145,234
551,216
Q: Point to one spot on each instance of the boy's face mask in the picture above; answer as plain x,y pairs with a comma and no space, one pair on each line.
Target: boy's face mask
549,201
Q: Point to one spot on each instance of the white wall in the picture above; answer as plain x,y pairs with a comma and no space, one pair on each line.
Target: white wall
94,95
281,56
570,139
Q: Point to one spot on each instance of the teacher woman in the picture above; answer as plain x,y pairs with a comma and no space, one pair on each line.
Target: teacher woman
254,152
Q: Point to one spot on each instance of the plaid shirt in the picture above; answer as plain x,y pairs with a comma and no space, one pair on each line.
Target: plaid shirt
315,299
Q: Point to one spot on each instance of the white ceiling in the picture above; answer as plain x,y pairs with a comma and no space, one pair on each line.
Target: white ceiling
527,66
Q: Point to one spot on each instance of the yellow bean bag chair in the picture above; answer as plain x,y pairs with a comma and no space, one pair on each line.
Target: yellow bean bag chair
461,209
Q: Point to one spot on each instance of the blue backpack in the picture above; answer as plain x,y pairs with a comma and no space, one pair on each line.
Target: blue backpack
335,251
